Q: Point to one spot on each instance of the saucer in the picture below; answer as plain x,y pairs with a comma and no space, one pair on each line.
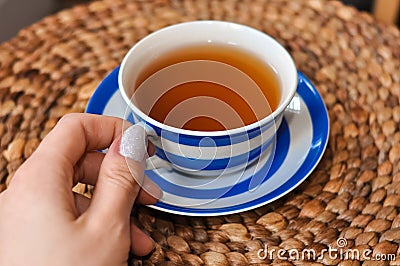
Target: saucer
301,142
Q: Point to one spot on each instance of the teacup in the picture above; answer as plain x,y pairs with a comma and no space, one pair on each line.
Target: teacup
208,152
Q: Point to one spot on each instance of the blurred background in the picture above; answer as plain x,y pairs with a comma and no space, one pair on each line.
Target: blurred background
17,14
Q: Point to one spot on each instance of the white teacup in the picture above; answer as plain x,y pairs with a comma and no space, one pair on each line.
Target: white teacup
206,152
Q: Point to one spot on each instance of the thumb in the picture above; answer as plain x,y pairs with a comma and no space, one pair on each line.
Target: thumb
120,177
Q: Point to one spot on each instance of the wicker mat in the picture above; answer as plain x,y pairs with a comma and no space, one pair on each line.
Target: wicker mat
52,68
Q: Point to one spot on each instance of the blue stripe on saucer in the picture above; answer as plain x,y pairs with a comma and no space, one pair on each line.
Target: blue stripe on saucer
103,93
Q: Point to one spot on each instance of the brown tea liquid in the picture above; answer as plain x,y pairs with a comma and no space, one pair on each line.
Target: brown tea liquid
258,71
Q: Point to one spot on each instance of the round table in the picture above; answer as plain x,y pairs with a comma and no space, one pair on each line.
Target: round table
52,67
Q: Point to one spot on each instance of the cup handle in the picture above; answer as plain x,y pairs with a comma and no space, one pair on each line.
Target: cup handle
154,162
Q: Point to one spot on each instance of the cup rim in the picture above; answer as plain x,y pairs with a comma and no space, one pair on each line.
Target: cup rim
280,109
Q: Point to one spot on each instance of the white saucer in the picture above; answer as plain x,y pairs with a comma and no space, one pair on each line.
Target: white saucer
302,139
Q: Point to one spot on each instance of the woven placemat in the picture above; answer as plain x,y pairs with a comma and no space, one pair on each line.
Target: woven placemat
52,68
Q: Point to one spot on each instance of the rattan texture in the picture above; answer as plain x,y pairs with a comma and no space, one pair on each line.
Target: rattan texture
52,67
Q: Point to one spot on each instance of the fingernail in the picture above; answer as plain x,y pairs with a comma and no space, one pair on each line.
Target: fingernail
134,143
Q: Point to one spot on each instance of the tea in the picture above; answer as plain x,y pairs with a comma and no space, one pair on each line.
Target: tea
220,119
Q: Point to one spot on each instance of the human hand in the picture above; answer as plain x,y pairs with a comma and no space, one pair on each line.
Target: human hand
44,223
